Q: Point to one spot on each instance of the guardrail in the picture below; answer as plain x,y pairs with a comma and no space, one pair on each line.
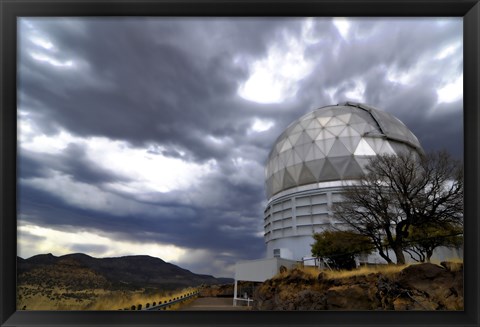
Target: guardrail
162,305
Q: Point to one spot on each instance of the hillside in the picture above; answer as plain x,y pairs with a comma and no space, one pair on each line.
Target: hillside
122,272
49,282
417,287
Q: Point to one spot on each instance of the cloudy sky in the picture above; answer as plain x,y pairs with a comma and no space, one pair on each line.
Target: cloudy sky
149,136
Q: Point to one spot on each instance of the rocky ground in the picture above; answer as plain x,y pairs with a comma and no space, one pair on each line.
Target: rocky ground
418,287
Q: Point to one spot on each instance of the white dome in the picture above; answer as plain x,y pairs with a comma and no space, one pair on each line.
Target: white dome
334,143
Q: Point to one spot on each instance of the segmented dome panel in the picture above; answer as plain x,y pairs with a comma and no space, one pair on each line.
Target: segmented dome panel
334,143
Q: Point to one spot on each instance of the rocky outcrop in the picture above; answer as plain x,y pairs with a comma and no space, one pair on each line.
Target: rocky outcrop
417,287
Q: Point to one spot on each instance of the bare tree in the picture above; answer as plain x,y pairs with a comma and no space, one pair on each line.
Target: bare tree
399,192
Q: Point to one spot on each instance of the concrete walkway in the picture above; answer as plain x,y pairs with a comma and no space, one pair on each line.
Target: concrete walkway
212,303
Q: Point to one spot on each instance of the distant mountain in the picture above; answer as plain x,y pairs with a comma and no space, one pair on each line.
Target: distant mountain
127,272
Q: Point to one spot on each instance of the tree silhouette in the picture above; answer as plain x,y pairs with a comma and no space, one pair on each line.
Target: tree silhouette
401,193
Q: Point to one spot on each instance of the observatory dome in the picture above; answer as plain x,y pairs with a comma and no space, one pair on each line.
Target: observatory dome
334,143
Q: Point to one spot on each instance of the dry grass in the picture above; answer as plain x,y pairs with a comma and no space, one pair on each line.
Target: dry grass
454,260
311,271
339,274
364,270
94,299
124,300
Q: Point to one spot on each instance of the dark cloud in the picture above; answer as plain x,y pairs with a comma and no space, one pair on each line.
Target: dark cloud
72,162
169,86
28,167
141,82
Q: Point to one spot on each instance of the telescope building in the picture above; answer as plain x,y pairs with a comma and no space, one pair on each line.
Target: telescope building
312,160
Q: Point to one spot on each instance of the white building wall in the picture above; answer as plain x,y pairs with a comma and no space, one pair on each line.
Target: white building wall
260,270
291,219
299,246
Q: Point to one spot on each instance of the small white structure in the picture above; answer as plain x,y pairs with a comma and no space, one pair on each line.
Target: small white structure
258,271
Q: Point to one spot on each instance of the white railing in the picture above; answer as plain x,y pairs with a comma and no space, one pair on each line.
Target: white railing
248,300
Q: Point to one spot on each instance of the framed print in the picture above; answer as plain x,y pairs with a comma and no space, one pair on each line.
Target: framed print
248,163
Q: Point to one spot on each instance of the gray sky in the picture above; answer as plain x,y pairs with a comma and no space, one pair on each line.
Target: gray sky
150,135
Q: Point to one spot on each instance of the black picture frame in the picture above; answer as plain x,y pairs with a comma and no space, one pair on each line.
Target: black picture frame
11,10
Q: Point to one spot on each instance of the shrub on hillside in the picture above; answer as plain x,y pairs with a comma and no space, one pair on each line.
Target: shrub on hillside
339,248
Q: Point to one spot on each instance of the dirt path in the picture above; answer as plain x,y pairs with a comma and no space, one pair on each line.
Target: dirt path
212,303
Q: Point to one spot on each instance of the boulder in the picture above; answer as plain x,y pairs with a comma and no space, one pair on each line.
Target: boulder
309,300
348,297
